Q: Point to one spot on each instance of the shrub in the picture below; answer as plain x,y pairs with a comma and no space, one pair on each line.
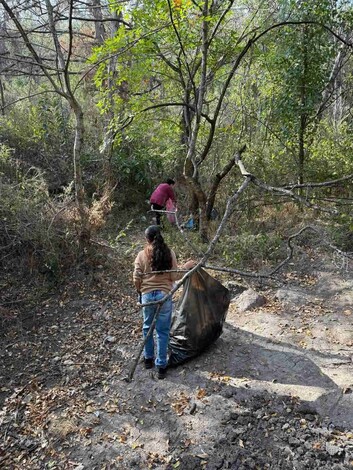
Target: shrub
33,231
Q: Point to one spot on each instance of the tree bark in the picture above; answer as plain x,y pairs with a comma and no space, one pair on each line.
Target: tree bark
303,113
2,97
96,10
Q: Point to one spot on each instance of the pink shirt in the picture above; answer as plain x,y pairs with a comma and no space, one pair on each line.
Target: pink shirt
161,194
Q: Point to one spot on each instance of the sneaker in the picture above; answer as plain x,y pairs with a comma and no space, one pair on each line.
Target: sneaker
148,363
162,372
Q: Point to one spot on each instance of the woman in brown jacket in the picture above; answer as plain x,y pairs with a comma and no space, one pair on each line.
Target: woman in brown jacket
156,256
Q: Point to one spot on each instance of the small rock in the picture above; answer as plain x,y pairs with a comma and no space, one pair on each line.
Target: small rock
293,441
193,409
240,430
223,439
235,289
333,449
249,300
306,408
109,339
308,445
228,392
294,296
225,420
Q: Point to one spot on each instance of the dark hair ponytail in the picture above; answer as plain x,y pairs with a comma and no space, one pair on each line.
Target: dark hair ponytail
160,257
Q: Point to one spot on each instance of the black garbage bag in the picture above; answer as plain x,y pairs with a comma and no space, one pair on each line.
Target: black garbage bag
198,318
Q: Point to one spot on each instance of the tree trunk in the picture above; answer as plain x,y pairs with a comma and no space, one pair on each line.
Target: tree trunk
96,10
301,151
2,97
203,224
191,166
200,200
303,112
85,229
109,131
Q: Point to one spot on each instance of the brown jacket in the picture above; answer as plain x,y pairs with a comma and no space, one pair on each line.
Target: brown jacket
150,282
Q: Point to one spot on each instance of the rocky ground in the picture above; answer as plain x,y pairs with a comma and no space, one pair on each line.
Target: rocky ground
274,391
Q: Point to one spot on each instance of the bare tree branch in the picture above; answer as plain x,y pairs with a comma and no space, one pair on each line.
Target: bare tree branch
323,239
241,273
330,183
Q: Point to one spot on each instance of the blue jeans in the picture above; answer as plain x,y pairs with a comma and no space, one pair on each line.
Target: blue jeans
162,326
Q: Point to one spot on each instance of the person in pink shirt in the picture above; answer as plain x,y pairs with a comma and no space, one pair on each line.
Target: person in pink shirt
160,196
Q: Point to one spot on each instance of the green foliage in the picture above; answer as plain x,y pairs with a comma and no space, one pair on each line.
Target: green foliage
331,152
148,72
44,125
5,153
134,168
275,93
281,96
247,249
53,122
151,68
123,232
298,65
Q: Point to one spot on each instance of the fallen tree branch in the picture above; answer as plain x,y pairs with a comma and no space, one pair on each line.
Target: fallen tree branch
292,195
289,192
326,184
242,273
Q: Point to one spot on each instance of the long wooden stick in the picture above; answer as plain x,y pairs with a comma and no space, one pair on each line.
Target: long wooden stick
133,366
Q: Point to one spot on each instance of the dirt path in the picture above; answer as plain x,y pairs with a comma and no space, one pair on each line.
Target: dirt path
305,338
275,391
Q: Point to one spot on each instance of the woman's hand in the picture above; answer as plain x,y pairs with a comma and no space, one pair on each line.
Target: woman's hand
189,264
138,284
